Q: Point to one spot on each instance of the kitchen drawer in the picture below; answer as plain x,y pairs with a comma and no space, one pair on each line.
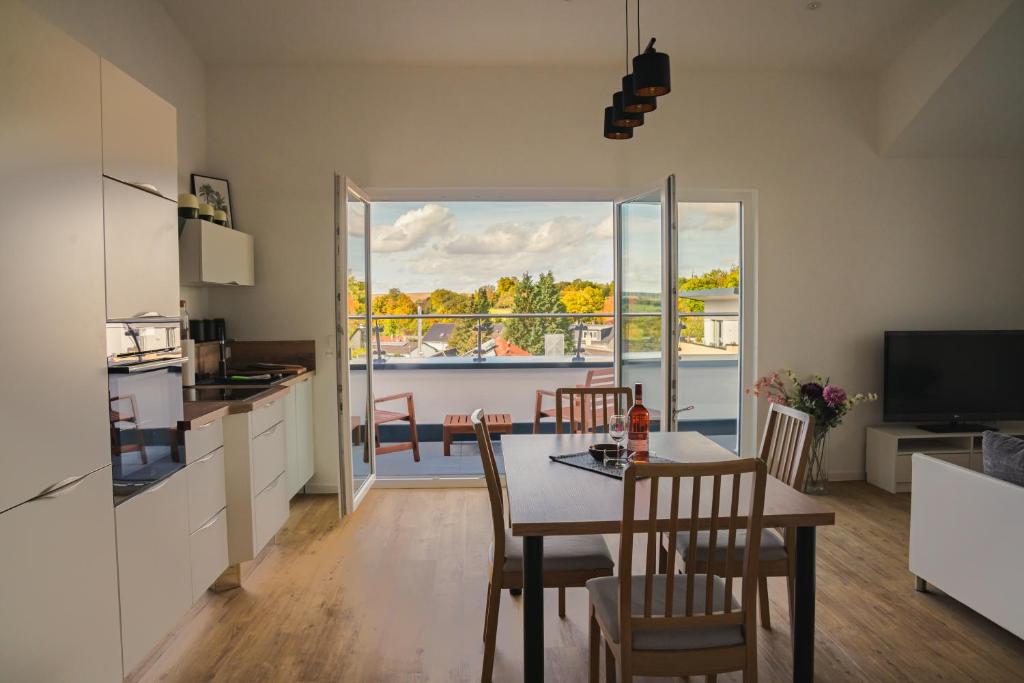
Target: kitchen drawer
270,511
269,450
267,413
209,550
205,488
203,440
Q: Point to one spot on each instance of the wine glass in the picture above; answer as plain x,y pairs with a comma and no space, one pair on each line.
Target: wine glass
617,428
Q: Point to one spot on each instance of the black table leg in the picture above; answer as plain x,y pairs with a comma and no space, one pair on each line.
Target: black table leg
533,609
803,609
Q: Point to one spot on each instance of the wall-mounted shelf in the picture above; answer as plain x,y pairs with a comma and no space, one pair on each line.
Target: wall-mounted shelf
212,255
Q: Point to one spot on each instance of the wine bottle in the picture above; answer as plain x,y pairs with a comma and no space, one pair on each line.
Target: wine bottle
639,425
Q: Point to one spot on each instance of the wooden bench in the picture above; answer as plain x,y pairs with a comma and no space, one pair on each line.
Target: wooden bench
497,423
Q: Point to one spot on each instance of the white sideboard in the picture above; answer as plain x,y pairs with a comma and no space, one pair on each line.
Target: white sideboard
888,451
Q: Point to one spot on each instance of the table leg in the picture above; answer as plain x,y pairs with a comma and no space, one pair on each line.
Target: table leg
803,608
533,609
446,437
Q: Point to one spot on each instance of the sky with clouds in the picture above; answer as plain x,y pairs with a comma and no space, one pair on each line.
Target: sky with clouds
419,247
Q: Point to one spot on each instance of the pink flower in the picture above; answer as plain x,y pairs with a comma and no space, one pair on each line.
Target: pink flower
834,396
772,398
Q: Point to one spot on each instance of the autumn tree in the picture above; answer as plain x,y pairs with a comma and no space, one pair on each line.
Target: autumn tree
464,336
713,279
395,302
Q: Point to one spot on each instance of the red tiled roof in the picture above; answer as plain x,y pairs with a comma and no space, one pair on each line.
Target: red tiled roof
507,348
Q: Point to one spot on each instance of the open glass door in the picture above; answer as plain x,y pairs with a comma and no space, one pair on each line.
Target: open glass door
352,316
645,233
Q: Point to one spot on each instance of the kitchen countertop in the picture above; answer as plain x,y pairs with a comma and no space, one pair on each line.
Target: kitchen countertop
199,413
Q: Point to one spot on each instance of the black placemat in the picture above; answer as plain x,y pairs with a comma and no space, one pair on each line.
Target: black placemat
585,461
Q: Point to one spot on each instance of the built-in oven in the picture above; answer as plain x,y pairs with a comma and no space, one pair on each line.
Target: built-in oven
147,442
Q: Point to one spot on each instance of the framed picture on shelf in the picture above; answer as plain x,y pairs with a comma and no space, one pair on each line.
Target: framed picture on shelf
215,191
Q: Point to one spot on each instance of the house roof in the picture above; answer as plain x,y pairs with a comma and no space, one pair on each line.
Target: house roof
503,347
439,332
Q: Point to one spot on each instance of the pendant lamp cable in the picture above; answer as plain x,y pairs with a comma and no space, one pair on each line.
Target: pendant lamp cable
627,36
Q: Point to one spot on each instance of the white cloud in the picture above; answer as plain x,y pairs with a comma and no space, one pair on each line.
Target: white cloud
413,229
708,216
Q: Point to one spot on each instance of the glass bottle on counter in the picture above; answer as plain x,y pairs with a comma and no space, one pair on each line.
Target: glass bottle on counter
639,419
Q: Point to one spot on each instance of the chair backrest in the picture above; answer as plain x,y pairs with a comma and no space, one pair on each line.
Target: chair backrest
711,491
787,444
600,377
590,408
483,439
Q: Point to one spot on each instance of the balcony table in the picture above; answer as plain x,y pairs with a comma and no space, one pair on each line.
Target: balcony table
550,499
497,423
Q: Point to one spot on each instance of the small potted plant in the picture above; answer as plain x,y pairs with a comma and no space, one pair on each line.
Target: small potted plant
827,402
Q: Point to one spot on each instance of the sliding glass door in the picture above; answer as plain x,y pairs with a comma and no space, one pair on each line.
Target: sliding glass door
352,314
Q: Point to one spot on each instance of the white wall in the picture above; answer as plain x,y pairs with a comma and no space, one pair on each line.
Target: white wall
850,243
140,38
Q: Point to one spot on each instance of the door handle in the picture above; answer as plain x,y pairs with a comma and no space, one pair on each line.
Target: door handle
682,410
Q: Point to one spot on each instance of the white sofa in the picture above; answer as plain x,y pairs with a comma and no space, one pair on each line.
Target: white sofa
966,538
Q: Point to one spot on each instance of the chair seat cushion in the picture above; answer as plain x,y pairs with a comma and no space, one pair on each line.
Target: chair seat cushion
561,554
773,545
604,595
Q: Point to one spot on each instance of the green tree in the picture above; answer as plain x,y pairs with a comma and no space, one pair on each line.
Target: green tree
464,335
541,296
395,302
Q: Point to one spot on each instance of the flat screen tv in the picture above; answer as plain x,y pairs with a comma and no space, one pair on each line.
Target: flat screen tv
954,377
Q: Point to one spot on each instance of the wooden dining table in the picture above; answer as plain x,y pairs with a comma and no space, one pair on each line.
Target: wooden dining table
553,499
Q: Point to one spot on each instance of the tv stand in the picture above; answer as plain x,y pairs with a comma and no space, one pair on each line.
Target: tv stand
957,428
889,447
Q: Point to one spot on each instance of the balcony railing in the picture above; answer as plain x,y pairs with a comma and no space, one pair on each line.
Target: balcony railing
639,342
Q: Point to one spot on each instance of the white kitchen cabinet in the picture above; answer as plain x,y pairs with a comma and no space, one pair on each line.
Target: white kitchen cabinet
140,134
141,248
214,255
58,587
209,552
299,418
206,491
255,449
154,566
55,425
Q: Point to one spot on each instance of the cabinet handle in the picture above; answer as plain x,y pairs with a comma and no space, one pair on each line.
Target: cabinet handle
208,524
156,487
273,484
206,458
61,487
268,403
146,187
234,282
269,431
202,427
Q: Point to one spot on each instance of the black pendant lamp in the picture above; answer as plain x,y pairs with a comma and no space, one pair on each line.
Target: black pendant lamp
632,102
651,73
613,132
622,118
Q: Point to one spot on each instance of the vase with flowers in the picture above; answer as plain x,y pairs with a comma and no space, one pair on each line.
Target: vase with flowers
817,396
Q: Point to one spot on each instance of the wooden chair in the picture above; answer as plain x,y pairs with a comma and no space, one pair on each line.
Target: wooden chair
664,624
569,561
131,417
784,450
600,377
381,417
588,410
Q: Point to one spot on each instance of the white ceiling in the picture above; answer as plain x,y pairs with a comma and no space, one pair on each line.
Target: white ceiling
843,35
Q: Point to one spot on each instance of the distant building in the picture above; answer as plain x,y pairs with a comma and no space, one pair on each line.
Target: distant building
437,338
598,339
719,332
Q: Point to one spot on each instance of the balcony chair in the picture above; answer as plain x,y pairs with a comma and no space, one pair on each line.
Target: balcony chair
784,450
601,377
668,624
569,561
381,417
589,410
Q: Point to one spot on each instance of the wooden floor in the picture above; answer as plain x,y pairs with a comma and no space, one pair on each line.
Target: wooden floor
397,594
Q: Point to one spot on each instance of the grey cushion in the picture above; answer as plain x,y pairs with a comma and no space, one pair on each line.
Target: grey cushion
773,545
1003,457
604,595
561,553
